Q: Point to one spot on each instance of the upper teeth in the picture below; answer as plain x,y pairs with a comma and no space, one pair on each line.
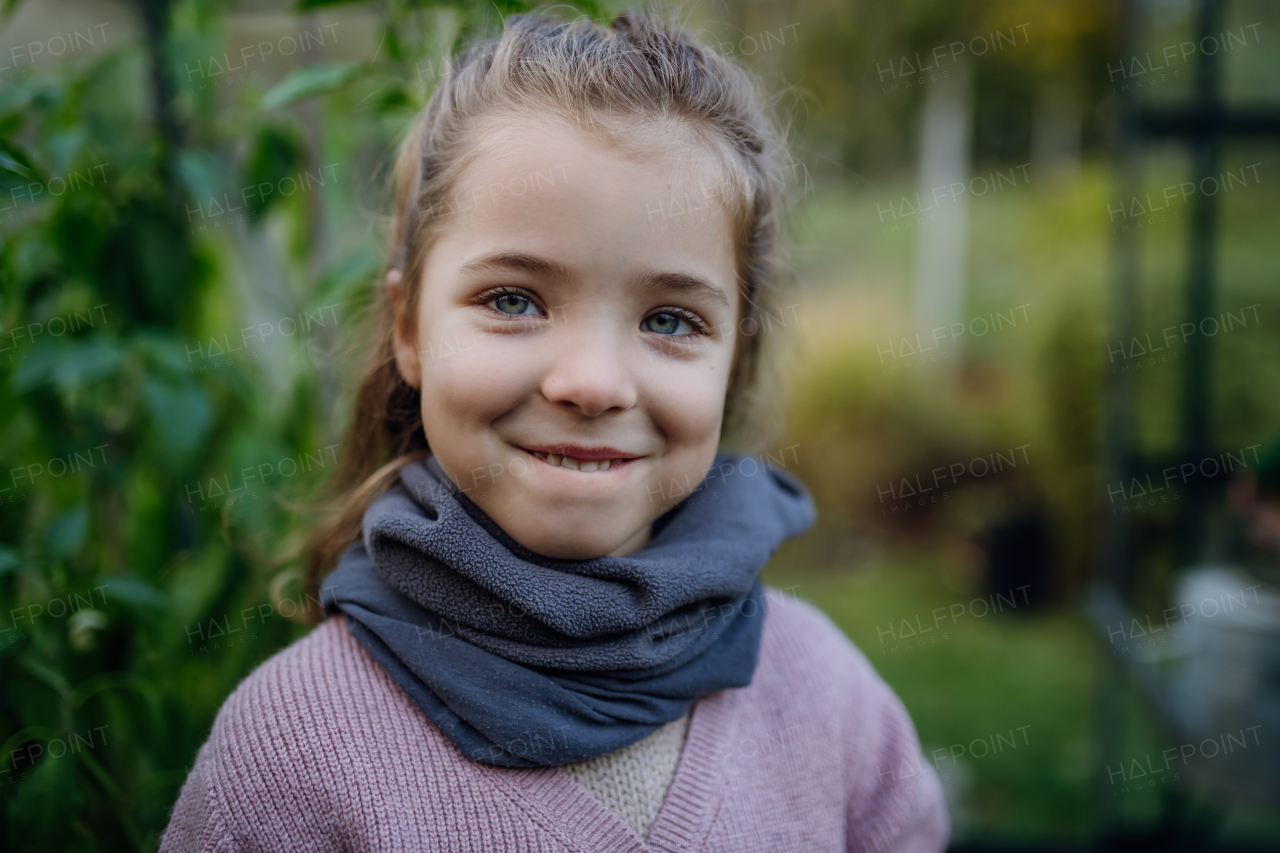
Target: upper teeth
576,464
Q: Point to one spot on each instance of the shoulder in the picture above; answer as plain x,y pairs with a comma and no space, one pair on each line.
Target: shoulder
307,684
802,641
790,615
804,653
812,675
849,715
318,748
309,722
261,776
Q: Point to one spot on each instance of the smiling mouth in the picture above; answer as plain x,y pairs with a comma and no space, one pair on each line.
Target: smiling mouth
556,460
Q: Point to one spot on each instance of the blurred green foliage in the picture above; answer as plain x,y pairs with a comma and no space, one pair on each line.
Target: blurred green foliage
167,386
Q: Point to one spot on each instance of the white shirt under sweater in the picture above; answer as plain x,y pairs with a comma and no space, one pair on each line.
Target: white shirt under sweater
633,781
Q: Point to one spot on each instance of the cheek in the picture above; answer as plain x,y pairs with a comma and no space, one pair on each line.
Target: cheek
467,377
686,401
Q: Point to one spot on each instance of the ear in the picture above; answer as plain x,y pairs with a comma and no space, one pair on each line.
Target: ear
404,333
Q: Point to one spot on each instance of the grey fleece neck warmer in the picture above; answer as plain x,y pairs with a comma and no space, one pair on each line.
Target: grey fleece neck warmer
525,661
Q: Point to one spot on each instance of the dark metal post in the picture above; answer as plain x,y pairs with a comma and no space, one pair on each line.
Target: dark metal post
1206,147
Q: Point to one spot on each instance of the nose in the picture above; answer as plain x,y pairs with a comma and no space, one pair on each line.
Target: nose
589,372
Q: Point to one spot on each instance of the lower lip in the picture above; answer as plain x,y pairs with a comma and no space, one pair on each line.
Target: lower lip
613,466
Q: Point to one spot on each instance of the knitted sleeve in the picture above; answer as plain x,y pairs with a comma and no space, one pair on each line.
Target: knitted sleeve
198,824
261,781
895,801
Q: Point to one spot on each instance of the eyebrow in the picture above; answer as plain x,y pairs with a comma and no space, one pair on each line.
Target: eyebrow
517,262
653,282
690,285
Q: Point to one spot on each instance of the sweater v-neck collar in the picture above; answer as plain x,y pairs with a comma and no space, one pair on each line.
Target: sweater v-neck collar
569,812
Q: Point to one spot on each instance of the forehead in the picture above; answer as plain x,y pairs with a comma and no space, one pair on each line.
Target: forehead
594,200
661,148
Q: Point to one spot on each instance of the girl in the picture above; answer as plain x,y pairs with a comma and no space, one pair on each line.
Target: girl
546,629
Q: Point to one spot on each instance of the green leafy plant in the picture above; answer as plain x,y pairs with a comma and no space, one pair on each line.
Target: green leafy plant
168,383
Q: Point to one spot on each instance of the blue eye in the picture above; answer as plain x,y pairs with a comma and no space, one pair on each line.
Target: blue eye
513,303
666,323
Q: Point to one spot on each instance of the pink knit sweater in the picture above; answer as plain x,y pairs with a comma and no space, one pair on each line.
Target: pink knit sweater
320,750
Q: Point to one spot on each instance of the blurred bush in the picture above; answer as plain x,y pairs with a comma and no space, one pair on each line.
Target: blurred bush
168,374
863,417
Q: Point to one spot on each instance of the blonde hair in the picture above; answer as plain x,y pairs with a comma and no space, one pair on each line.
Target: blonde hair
637,69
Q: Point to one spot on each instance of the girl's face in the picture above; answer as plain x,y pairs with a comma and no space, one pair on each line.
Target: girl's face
582,304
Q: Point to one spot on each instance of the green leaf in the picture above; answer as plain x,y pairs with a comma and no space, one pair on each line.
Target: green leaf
38,368
68,364
163,352
14,159
63,150
46,675
47,793
135,593
181,414
277,152
67,532
9,560
12,165
22,736
312,80
89,363
201,173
